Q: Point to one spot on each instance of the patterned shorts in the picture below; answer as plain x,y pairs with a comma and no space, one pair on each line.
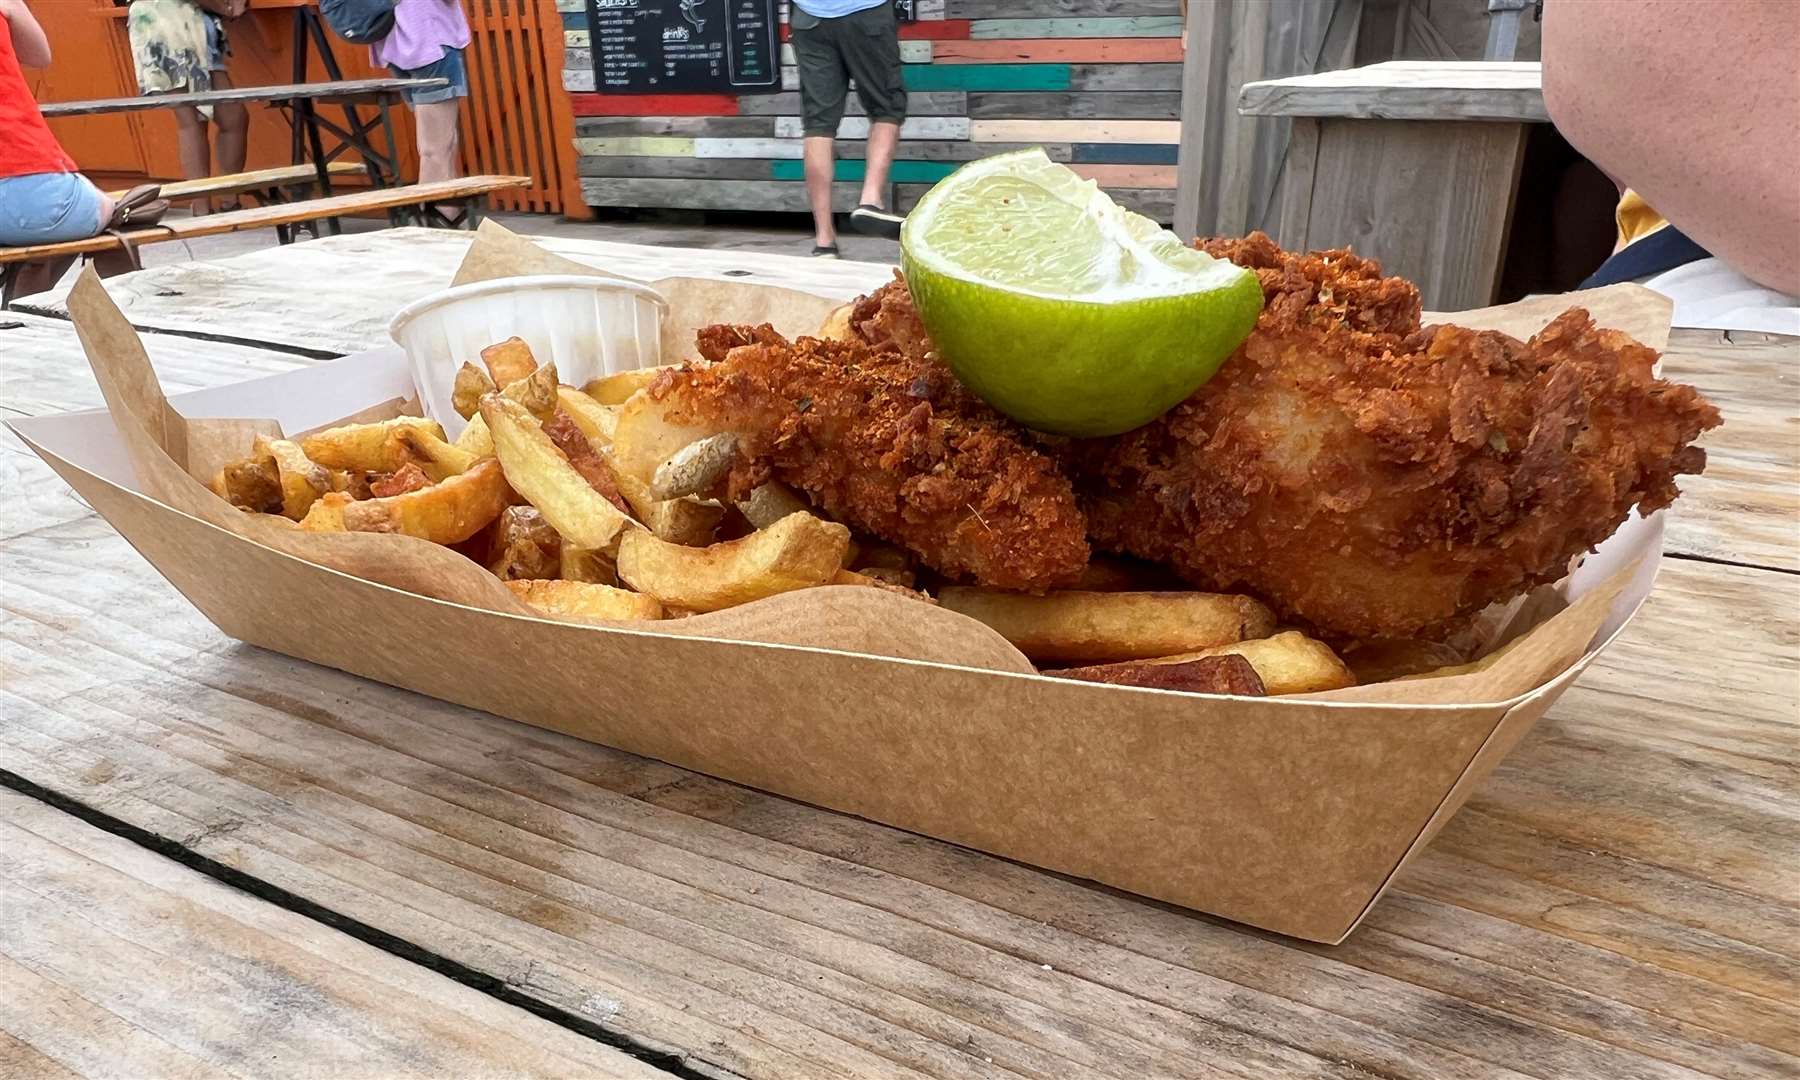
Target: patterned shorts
175,45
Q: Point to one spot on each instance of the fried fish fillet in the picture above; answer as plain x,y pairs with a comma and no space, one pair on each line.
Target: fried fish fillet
890,444
1375,479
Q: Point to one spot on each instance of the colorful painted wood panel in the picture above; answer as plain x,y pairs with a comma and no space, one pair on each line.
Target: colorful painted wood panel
1095,82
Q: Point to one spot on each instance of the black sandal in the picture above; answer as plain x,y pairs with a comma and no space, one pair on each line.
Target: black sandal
825,251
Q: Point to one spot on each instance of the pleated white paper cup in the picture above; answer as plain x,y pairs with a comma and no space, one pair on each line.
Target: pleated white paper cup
586,326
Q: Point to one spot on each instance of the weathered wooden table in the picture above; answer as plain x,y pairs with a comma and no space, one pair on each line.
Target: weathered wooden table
214,859
1415,163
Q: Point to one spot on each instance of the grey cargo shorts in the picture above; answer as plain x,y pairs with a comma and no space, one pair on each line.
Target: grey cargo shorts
863,45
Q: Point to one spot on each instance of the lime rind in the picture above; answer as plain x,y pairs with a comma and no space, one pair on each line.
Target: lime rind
1033,226
1061,308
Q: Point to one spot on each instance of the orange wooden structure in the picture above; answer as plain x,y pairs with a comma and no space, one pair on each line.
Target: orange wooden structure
517,119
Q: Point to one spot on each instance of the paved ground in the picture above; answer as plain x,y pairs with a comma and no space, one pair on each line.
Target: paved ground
785,234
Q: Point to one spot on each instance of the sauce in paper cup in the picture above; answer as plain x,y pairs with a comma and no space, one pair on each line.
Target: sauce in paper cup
586,326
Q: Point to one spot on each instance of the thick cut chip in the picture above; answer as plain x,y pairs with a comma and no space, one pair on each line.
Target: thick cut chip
584,601
302,479
444,513
252,483
541,473
1288,662
1225,674
1104,626
616,389
586,564
509,361
595,420
369,447
769,502
465,393
526,545
797,552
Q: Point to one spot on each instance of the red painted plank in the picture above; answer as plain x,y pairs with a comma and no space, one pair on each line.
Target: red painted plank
1064,50
933,30
654,104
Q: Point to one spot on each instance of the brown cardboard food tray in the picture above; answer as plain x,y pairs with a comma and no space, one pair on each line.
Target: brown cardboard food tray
1291,814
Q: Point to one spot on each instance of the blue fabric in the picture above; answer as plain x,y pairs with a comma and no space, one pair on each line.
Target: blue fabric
1664,249
836,9
449,66
48,208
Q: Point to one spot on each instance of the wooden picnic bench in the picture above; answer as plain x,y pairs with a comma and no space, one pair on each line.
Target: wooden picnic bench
308,126
423,889
463,195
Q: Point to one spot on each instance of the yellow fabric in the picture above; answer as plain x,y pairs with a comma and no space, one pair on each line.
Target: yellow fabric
1636,219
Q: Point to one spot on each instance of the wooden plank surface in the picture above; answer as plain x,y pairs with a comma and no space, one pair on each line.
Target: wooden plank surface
356,282
1131,50
1140,26
766,195
1616,901
267,217
344,90
771,939
120,962
1096,131
1383,187
1406,90
1139,105
256,180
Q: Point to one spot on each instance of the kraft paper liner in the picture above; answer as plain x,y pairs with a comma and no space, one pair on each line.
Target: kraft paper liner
1284,815
1292,814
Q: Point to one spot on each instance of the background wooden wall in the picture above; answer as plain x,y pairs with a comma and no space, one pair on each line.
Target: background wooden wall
1097,83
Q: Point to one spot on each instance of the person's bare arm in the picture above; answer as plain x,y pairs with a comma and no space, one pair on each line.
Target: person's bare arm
1693,105
28,40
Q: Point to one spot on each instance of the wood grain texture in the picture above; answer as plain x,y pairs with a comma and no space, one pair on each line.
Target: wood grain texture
692,168
1430,199
857,127
1130,105
1406,90
349,91
1120,77
918,103
1099,131
1140,26
1136,50
658,104
356,282
120,962
791,149
1028,9
769,195
267,217
1113,177
688,127
283,176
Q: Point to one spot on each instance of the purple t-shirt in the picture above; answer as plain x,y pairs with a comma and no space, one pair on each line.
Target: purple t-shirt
423,29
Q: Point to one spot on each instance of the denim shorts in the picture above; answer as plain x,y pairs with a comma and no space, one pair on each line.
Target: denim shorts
48,208
449,66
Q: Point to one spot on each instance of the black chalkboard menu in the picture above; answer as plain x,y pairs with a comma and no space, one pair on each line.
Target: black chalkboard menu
685,46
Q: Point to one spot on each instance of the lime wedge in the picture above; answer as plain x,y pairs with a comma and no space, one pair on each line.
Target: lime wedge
1061,308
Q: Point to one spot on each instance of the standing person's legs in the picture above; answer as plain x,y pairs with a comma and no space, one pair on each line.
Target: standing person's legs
233,122
884,135
435,124
194,148
871,47
824,81
820,158
436,114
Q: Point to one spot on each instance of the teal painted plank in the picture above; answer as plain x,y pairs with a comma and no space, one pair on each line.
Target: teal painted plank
986,76
902,172
1140,26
